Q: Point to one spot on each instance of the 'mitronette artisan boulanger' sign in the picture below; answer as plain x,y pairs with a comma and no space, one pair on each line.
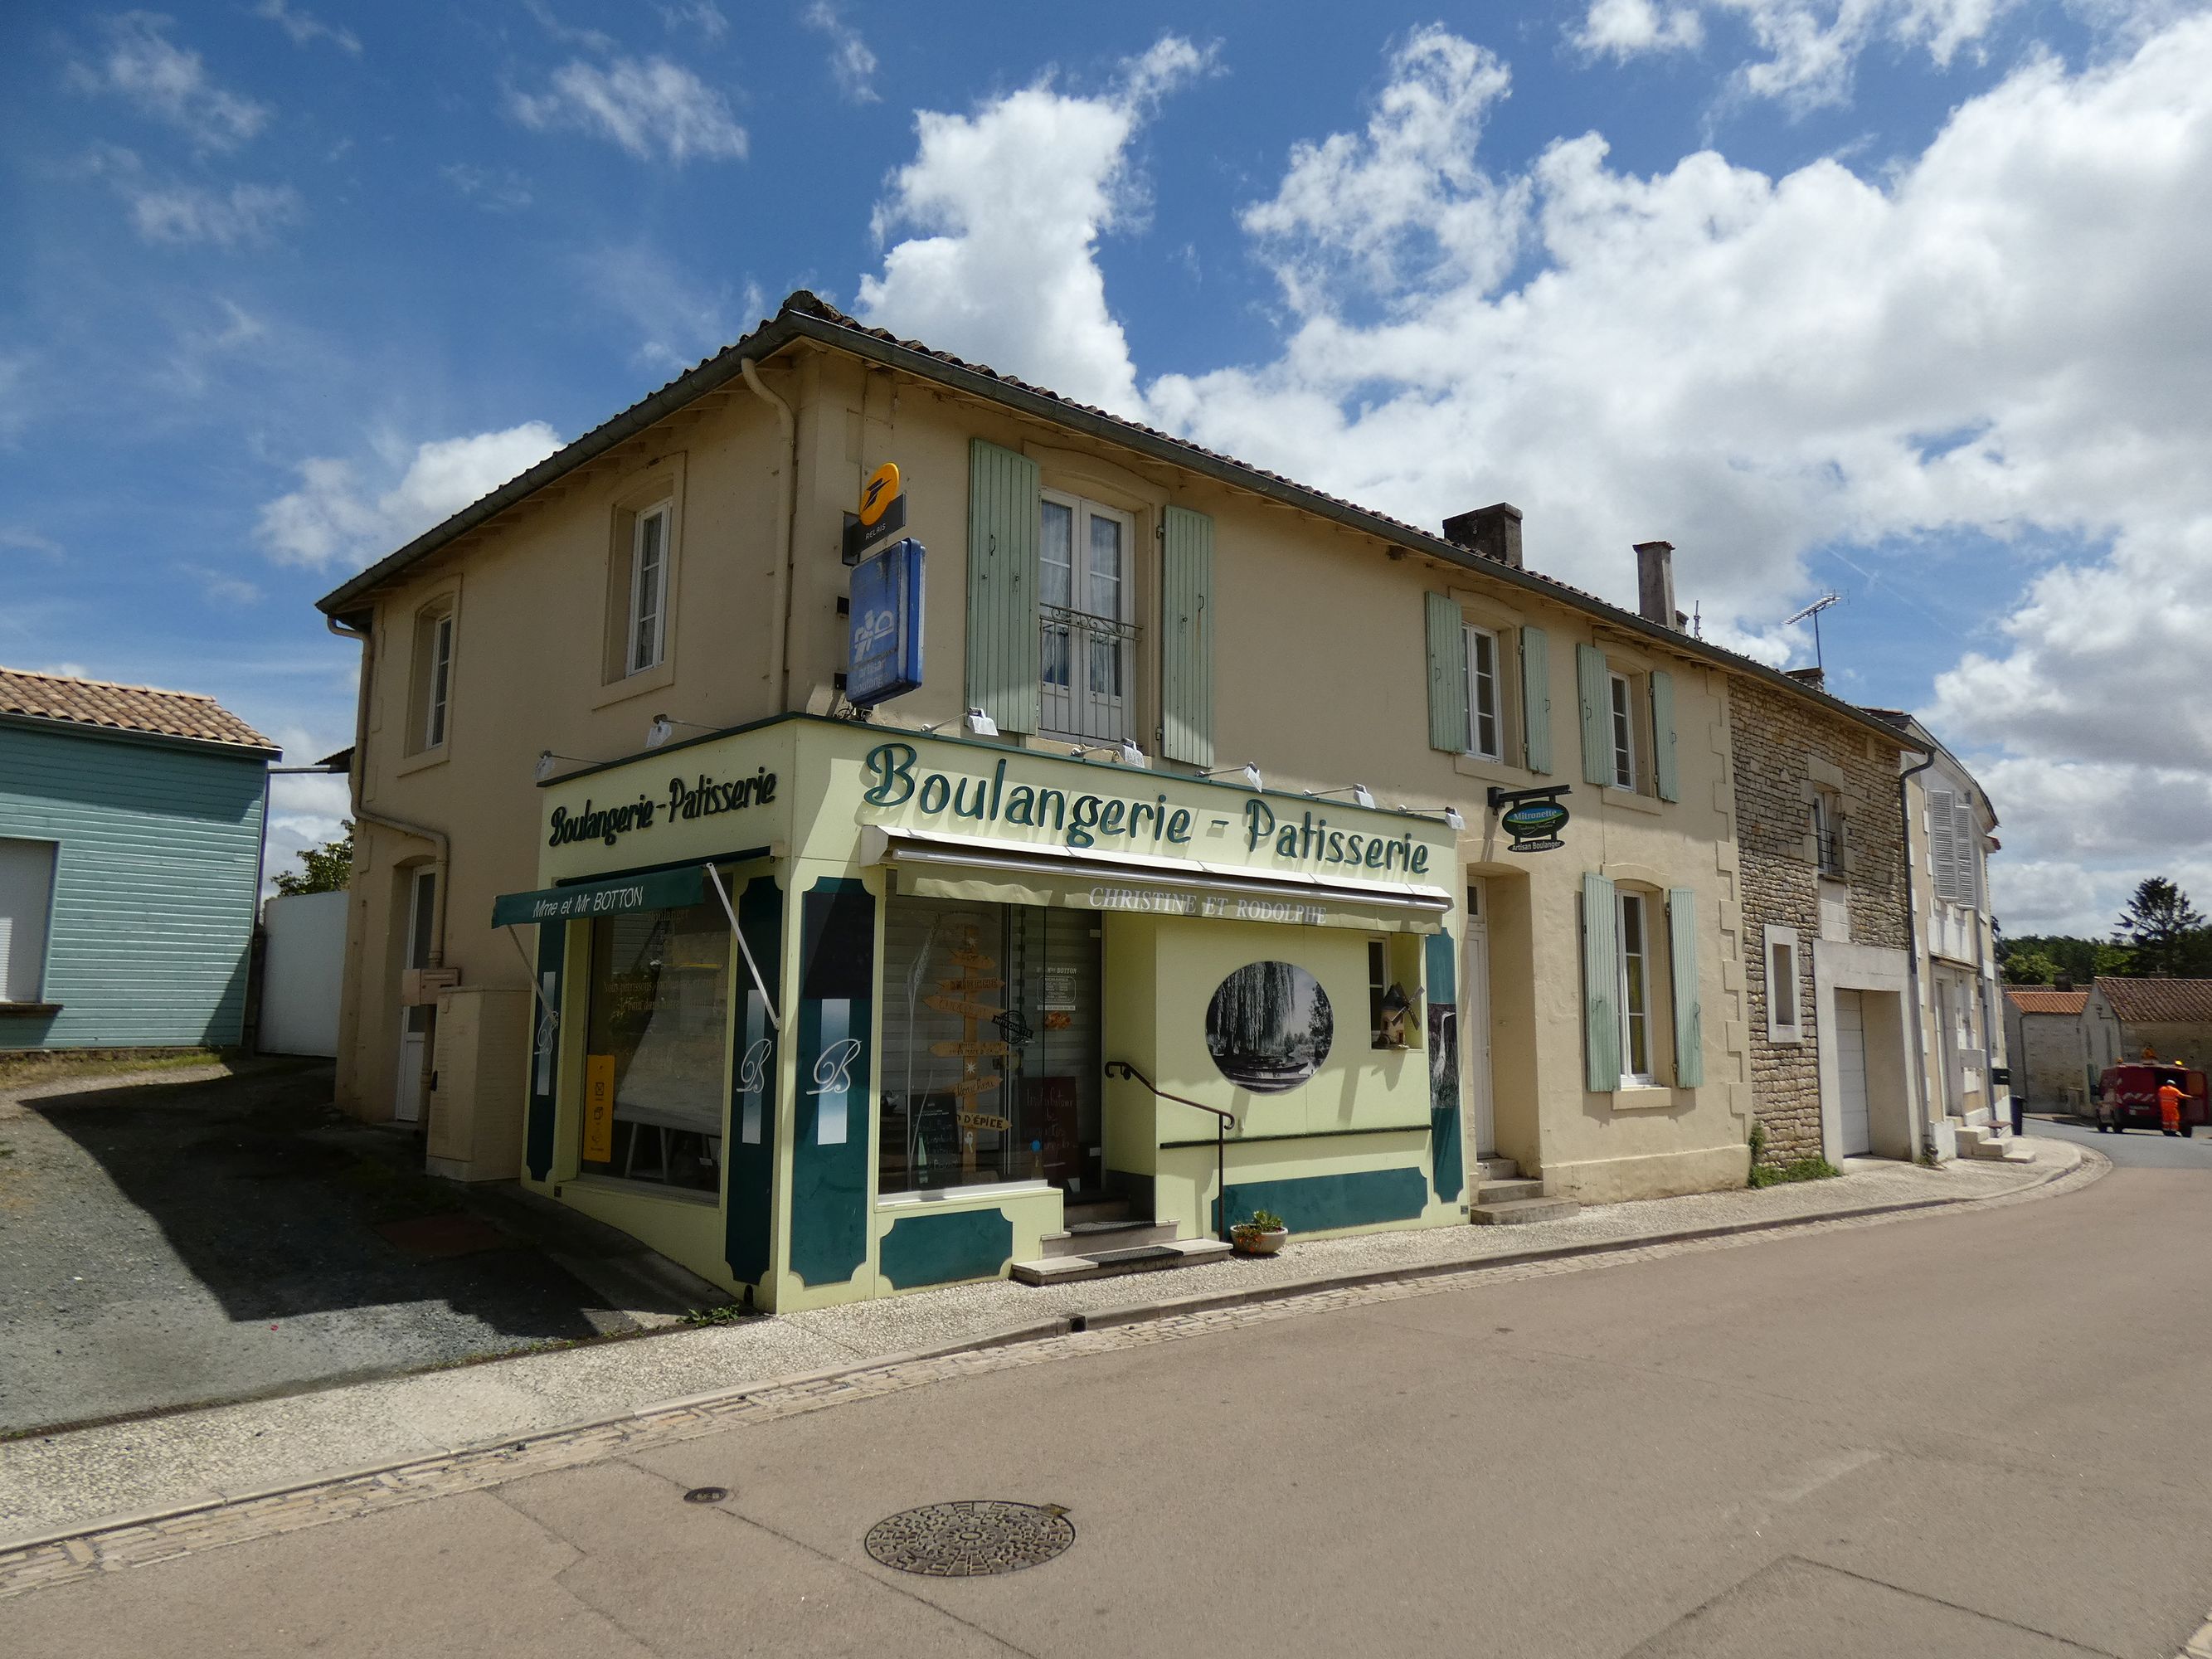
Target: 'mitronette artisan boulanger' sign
1124,822
703,796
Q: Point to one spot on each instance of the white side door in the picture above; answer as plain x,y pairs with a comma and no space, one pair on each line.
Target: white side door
1474,1020
415,1023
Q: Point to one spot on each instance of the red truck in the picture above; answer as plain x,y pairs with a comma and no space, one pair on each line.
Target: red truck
2127,1096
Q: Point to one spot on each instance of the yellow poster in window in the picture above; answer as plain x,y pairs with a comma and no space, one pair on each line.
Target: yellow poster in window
598,1107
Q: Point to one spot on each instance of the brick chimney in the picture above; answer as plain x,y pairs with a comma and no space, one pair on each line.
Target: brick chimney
1654,582
1493,532
2062,982
1815,678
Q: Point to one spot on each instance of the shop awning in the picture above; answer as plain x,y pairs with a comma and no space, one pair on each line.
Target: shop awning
658,889
1009,872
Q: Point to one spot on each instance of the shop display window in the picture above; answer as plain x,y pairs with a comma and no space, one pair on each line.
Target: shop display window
655,1069
990,1047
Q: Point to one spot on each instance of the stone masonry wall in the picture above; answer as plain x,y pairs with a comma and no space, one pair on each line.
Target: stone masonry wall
1778,739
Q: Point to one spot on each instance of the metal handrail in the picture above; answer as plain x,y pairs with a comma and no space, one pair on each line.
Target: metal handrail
1122,1070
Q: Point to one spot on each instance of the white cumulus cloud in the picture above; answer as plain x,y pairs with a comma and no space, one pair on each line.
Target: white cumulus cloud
1012,200
646,106
336,520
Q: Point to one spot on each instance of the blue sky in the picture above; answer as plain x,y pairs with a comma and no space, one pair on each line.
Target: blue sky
1901,298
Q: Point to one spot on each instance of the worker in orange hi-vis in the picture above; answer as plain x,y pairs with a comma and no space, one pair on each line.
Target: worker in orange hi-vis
2169,1108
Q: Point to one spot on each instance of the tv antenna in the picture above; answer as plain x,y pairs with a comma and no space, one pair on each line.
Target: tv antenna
1813,610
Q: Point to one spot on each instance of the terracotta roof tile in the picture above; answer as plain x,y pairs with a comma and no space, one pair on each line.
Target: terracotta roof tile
2035,1000
71,701
2159,1001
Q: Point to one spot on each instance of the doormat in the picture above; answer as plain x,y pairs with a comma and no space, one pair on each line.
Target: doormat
456,1232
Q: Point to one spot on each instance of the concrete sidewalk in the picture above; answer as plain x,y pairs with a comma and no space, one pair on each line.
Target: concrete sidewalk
73,1481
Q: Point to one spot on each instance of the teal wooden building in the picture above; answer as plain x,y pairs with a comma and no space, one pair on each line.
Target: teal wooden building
131,836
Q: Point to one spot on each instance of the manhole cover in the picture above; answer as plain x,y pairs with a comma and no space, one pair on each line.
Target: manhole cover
970,1539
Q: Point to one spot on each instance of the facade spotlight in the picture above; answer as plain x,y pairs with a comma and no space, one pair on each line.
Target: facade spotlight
544,770
1249,771
1125,751
660,731
1360,794
982,724
1453,816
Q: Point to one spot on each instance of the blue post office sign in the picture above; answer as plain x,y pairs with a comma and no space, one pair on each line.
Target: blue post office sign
886,625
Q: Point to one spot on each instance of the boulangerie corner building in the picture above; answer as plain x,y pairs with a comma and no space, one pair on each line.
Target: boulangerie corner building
131,839
1223,846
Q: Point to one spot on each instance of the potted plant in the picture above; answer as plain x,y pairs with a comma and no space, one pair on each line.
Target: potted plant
1263,1235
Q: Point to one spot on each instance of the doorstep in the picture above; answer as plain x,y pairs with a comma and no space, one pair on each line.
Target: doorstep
1146,1258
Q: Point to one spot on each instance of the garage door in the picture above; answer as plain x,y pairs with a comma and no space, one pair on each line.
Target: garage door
1851,1072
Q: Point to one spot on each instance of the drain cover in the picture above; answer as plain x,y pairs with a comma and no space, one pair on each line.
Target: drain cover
706,1494
970,1539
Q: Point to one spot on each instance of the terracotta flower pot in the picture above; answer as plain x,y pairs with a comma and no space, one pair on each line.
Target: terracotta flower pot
1251,1241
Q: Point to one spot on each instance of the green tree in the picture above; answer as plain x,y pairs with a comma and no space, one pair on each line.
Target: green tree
2164,933
2029,967
326,869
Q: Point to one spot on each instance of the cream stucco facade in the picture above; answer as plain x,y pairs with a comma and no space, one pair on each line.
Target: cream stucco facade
1601,981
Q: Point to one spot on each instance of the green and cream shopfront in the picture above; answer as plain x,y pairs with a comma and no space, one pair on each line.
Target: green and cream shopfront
827,1011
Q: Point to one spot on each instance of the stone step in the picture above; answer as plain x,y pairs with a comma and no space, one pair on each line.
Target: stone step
1519,1211
1497,1169
1088,1237
1108,1264
1096,1209
1504,1192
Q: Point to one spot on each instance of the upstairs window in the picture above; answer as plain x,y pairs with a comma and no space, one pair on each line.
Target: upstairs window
1086,595
1622,710
1482,693
649,590
1828,833
431,688
27,893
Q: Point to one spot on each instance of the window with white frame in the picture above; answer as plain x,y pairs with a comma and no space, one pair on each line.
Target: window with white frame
1622,696
431,691
647,635
1483,722
1637,1065
1783,1018
1086,606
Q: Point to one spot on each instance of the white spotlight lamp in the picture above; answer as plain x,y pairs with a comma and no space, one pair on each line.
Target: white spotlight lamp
982,724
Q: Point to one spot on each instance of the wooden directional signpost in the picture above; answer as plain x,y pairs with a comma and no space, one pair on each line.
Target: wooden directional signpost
958,996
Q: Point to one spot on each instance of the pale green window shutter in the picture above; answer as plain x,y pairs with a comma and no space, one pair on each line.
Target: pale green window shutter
1600,985
1005,654
1682,960
1595,689
1662,734
1187,642
1446,675
1536,699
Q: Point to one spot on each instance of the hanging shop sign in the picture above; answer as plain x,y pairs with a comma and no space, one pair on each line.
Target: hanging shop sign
882,515
884,640
1533,817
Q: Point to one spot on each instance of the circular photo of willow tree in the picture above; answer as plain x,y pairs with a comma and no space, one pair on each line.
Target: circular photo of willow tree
1269,1026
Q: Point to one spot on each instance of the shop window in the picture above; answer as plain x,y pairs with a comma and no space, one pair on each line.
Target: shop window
26,891
1086,610
991,1053
655,1067
1483,698
430,693
1392,967
1784,1020
649,590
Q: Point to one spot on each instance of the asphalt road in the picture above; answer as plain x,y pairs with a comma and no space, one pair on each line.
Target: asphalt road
2137,1149
171,1243
1968,1434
